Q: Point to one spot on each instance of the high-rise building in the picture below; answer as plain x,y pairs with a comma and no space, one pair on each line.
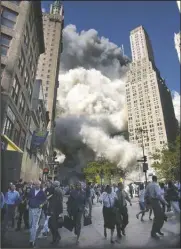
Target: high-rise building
178,4
149,101
177,39
48,68
22,42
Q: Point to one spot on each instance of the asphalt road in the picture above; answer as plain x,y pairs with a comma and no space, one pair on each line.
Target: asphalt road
137,234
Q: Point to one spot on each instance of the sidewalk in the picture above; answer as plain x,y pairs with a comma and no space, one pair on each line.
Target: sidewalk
137,234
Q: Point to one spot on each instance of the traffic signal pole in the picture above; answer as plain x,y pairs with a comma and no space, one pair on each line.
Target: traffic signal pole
144,157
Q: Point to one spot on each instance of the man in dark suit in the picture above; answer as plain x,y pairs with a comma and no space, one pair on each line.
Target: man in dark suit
55,209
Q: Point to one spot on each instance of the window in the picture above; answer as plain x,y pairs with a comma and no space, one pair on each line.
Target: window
21,63
5,43
30,90
22,104
2,69
15,90
26,36
8,127
27,78
27,117
22,140
17,132
8,17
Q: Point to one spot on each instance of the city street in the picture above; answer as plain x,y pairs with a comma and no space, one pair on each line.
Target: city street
137,234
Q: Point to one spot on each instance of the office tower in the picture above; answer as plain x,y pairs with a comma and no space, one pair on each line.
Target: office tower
177,38
48,67
178,4
149,101
22,42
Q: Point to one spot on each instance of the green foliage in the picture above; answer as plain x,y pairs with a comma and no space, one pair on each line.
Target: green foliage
167,161
94,169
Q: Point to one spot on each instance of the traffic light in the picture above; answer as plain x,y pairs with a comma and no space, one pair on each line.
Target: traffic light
145,158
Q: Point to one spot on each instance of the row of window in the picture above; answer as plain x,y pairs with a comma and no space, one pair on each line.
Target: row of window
13,130
8,17
5,43
15,94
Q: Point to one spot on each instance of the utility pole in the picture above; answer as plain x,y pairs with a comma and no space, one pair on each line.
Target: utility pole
145,164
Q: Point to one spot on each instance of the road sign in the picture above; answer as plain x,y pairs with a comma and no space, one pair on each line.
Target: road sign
141,161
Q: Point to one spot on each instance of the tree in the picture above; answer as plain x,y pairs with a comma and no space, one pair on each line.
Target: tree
94,170
167,161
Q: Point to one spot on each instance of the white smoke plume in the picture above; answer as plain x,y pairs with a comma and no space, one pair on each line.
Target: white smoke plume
176,105
91,101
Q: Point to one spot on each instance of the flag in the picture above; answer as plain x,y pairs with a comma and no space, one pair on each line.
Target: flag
38,138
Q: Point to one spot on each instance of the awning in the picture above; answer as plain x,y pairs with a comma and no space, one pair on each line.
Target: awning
10,145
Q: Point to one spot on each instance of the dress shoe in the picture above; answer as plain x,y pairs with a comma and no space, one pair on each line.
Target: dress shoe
32,244
155,236
105,234
123,232
160,233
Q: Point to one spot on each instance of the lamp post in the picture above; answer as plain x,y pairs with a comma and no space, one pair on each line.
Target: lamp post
141,131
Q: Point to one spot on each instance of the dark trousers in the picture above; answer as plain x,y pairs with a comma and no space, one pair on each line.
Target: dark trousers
53,225
77,217
158,216
10,215
122,221
23,214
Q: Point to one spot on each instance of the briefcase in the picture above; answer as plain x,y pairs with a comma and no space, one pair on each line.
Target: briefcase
68,223
87,221
60,222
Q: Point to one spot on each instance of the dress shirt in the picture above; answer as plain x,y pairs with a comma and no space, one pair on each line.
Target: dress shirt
12,197
108,199
114,189
36,191
153,191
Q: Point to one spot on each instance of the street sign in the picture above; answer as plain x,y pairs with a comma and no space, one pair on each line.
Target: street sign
45,171
141,161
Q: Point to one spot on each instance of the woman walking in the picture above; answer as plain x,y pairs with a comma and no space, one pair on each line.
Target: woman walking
108,198
75,207
144,203
141,201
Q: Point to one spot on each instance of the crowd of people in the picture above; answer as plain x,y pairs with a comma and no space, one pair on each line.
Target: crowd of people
34,201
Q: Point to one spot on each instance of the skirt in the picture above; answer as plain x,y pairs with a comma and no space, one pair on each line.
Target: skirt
109,218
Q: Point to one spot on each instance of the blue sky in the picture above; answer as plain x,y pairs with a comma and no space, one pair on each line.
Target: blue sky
115,20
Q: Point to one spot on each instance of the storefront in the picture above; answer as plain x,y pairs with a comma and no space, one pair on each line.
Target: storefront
11,158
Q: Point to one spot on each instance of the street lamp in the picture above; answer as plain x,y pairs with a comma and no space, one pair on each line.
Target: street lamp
141,131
